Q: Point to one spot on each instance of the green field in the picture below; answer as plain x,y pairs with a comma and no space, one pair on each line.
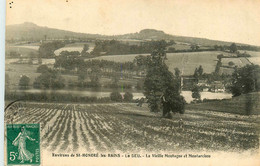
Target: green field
244,104
186,62
75,47
127,128
23,50
119,58
15,71
252,53
239,62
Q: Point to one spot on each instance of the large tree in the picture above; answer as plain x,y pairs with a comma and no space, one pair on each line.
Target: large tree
24,82
161,88
49,79
245,80
196,93
233,48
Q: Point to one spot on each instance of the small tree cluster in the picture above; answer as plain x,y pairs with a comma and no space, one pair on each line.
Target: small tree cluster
245,80
116,96
24,82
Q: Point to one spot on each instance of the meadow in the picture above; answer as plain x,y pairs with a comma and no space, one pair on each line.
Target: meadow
122,127
239,62
75,47
23,50
186,62
244,104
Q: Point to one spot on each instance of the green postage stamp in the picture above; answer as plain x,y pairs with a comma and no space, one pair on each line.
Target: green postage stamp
23,144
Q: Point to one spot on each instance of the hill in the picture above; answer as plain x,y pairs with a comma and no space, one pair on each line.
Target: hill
31,31
151,34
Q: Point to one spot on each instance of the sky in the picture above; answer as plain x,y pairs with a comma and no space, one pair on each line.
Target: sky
227,20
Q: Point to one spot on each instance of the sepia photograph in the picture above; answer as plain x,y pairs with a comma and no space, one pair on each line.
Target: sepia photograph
132,82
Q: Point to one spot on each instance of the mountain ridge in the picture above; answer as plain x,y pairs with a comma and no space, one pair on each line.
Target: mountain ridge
31,31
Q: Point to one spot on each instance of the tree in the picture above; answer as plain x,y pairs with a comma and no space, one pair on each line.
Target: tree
231,63
50,79
39,60
200,70
195,93
24,82
177,72
194,47
245,80
128,96
116,96
42,69
233,48
85,49
218,65
196,74
171,49
95,75
46,50
161,88
220,56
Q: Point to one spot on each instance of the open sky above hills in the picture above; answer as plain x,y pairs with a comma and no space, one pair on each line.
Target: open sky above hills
227,20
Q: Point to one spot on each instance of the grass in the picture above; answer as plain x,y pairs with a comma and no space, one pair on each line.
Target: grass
128,128
243,105
187,62
255,60
14,71
25,51
119,58
252,53
239,62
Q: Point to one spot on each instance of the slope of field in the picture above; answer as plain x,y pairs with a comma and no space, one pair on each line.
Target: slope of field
255,56
252,53
75,48
186,62
128,128
254,60
244,104
120,58
23,50
239,62
78,46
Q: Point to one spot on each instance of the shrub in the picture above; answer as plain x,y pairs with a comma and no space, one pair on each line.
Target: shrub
42,69
116,96
24,82
128,96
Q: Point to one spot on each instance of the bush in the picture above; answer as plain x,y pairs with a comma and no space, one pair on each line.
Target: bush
42,69
54,97
116,96
49,80
24,82
231,63
128,96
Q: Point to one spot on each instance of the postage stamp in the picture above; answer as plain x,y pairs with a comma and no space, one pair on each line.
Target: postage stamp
23,144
